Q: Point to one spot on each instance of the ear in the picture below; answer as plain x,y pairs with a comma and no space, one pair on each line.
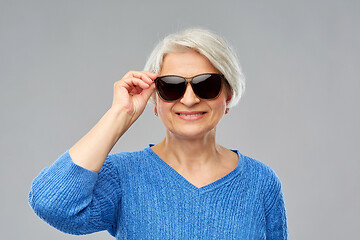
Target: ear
229,95
155,109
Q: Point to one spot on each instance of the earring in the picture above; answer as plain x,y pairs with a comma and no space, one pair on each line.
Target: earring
227,110
156,114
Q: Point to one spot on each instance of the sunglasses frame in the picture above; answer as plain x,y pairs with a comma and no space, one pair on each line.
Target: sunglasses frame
189,80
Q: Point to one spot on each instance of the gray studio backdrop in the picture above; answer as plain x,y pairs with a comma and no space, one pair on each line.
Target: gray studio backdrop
300,112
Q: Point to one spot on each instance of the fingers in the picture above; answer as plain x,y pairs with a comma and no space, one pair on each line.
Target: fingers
138,84
146,76
147,92
137,79
134,83
153,76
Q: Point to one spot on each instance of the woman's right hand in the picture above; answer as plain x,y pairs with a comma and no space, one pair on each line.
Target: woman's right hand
133,91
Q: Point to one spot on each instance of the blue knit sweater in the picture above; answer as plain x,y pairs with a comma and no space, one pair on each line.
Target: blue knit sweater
138,196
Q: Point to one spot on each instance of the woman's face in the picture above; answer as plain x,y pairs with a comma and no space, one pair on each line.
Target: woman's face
190,117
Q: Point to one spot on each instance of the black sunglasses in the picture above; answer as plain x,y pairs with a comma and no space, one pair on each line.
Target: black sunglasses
206,86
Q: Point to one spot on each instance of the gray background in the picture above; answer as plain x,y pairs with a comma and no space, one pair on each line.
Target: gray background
300,112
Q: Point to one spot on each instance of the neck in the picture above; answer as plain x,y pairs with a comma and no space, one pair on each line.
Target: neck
190,153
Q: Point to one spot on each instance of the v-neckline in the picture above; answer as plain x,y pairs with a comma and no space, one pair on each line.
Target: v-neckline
184,182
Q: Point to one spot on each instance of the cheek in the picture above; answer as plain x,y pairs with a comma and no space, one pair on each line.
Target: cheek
158,104
223,99
221,108
162,107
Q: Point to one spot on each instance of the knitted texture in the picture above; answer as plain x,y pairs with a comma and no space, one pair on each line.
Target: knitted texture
139,196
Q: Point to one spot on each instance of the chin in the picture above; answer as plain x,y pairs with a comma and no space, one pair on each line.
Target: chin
192,133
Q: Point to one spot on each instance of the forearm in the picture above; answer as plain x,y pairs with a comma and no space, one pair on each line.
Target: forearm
130,97
64,195
91,151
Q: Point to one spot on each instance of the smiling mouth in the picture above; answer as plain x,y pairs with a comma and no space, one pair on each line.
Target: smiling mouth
191,115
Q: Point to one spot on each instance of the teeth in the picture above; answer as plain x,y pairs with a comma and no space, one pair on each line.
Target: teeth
190,115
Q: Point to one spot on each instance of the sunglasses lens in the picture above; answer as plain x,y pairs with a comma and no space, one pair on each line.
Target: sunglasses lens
207,86
170,88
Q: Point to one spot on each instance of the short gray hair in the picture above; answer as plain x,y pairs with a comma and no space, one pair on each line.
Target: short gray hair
210,45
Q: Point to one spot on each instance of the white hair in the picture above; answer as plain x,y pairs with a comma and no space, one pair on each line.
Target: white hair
210,45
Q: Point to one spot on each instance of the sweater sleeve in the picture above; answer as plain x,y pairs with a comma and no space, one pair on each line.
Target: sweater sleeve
76,200
275,213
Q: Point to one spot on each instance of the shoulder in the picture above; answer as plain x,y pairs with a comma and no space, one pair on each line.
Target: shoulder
258,169
266,180
260,174
123,161
128,156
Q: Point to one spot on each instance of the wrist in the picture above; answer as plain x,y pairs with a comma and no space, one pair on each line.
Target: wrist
121,119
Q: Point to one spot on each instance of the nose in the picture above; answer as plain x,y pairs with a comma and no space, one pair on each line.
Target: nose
189,98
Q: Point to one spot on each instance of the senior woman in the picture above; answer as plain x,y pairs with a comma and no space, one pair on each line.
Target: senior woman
185,187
